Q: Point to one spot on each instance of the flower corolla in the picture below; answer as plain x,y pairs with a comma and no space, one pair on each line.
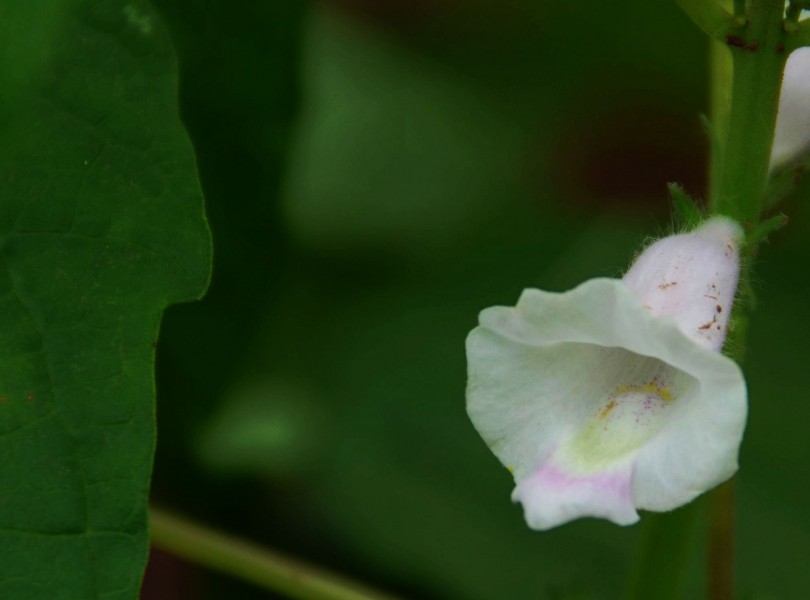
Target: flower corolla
792,137
613,396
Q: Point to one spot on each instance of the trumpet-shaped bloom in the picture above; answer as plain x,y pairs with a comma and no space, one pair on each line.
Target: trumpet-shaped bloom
613,396
792,138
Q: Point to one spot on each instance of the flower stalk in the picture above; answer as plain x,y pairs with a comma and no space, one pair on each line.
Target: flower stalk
758,58
721,543
746,124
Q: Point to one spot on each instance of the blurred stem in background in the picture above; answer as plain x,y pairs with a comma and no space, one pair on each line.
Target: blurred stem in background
248,562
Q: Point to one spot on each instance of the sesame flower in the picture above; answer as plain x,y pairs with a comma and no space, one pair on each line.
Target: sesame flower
613,396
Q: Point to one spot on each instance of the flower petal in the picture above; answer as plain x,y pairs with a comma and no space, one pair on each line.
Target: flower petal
543,375
550,496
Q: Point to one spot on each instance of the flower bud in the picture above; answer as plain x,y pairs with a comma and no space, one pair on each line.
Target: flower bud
792,137
691,278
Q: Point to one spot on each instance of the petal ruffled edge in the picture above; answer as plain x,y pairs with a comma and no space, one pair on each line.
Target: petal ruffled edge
551,497
697,448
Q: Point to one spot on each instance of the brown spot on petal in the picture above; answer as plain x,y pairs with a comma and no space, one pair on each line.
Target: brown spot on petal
607,410
709,324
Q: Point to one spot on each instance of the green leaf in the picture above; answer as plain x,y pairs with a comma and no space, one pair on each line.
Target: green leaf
685,211
101,227
761,232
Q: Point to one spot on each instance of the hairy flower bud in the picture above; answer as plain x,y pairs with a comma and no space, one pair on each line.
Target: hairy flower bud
692,278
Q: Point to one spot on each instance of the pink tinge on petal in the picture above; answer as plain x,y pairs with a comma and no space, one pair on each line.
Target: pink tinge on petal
551,497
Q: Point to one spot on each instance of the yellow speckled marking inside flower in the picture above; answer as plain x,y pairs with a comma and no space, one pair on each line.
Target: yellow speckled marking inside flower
631,415
653,387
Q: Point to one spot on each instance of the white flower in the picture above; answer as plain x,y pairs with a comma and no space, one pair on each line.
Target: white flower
792,138
613,397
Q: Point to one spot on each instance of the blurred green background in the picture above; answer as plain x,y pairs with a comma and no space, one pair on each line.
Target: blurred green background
375,174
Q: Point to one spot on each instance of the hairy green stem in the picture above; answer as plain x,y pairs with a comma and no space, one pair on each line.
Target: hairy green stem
758,59
248,562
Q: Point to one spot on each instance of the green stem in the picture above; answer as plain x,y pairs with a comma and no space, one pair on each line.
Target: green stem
667,542
709,16
720,75
246,561
720,557
758,58
721,543
745,128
